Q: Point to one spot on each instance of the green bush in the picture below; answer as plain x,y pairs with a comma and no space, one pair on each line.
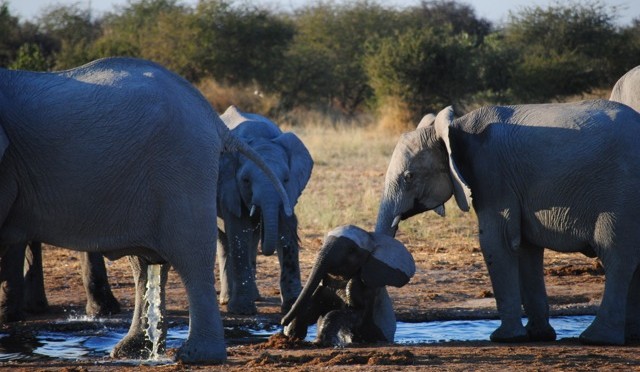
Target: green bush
426,69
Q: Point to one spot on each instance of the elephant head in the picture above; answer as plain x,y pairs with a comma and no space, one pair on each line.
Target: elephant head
244,187
421,175
350,252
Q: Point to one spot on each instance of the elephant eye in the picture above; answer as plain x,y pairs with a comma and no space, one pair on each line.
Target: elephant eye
245,180
408,176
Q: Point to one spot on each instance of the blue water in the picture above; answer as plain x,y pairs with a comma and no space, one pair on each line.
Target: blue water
470,330
96,343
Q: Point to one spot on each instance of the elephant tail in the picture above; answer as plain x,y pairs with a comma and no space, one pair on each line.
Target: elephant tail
232,143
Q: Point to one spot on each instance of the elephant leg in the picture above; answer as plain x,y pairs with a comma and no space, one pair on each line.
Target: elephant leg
608,328
224,267
501,258
534,293
12,284
135,343
632,323
206,333
242,240
35,298
100,299
288,257
336,328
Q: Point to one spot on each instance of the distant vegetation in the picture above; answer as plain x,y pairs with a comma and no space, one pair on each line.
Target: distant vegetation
348,59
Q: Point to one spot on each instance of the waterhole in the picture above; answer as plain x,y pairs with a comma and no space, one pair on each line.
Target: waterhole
90,339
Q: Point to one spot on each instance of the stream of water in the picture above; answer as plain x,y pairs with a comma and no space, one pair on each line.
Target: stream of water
97,342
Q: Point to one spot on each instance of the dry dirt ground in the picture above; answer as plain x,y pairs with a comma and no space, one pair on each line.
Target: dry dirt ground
451,283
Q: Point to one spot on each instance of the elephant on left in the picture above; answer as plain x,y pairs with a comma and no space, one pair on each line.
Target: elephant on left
22,284
121,157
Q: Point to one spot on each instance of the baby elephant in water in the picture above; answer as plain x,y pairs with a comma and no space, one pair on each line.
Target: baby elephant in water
345,293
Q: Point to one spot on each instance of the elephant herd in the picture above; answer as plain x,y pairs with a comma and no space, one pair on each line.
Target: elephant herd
121,157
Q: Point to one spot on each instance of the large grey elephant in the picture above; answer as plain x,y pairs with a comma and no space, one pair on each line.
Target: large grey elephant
22,284
627,89
119,156
252,211
345,293
561,176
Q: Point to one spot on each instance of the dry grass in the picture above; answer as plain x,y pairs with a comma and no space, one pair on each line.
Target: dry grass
351,155
246,98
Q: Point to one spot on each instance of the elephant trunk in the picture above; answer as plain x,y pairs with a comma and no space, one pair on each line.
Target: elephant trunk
270,215
387,223
300,306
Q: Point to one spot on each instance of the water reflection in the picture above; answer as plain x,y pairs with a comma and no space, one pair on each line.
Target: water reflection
91,341
471,330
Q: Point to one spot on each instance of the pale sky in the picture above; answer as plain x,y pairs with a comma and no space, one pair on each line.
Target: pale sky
493,10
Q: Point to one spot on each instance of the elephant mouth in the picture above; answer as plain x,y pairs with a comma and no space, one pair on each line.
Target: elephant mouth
417,208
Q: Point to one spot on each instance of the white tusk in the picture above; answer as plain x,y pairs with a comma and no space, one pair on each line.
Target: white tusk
396,222
439,210
252,211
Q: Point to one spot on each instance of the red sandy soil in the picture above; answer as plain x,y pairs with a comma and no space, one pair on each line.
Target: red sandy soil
450,283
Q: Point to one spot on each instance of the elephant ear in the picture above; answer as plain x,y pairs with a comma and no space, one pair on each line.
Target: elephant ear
300,164
461,191
390,263
228,191
427,121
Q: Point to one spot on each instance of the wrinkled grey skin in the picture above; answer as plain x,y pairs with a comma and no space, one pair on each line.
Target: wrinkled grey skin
121,157
627,89
244,188
345,293
22,284
561,176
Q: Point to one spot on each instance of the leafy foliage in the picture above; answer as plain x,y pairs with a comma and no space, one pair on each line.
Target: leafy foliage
426,68
348,57
241,45
30,58
563,50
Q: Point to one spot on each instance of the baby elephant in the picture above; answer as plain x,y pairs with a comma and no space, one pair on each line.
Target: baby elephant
345,293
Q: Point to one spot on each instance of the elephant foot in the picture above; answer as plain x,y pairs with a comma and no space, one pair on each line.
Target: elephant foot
202,352
135,347
600,334
540,333
242,308
37,306
103,307
7,316
632,331
510,335
335,328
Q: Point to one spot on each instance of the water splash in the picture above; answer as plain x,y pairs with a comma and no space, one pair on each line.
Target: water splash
154,316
